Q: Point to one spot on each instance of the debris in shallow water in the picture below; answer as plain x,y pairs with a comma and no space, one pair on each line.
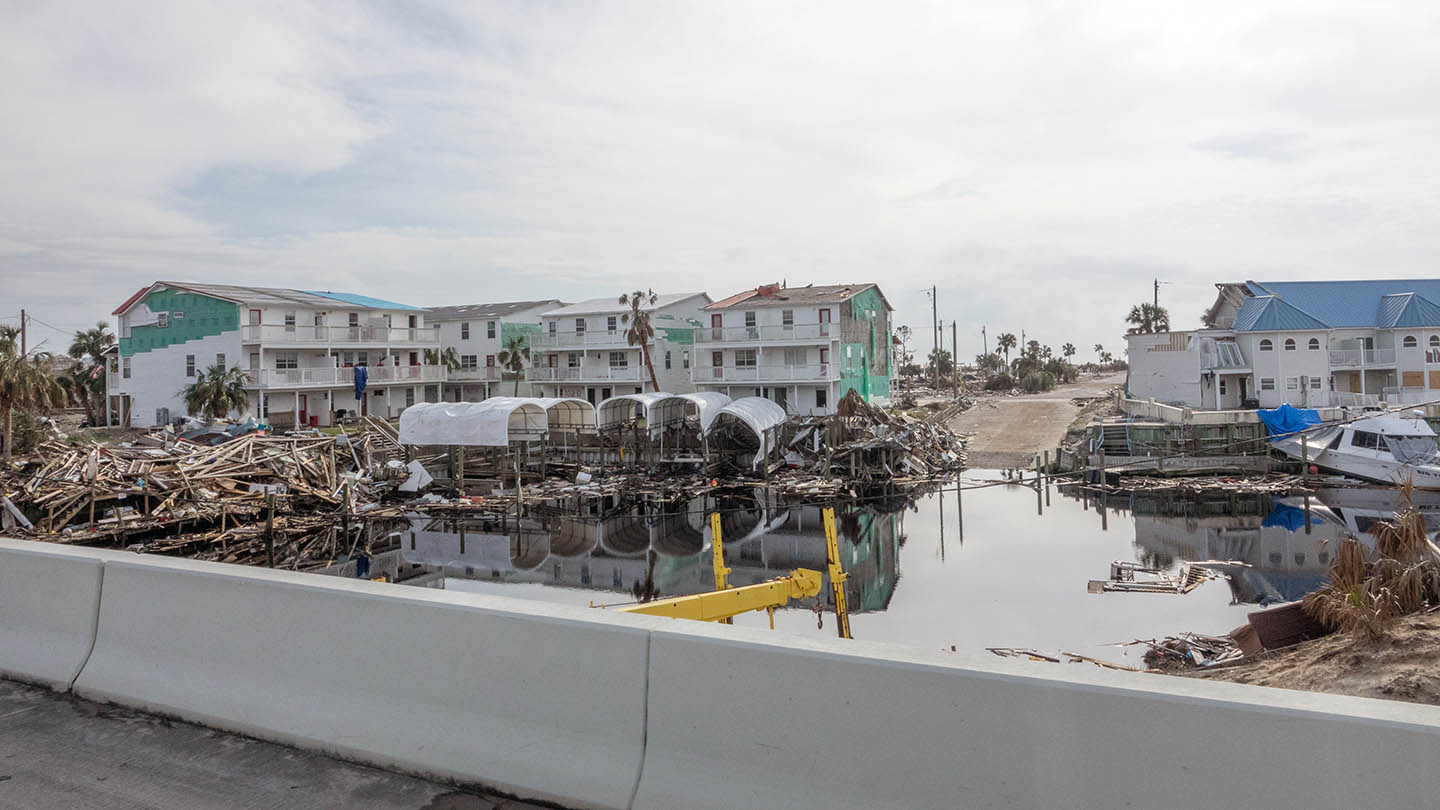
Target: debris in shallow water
1132,577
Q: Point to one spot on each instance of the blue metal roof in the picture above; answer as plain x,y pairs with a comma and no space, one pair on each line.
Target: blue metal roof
1339,304
1407,310
361,300
1270,313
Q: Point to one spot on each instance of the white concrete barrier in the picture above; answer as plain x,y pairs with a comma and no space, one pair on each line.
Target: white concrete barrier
746,719
49,596
543,701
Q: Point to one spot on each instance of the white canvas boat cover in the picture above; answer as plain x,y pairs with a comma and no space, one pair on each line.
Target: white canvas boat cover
758,414
568,414
494,422
659,411
707,404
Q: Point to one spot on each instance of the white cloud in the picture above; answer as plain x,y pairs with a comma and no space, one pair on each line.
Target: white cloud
1039,163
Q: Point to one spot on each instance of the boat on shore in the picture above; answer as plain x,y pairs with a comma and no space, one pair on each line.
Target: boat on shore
1386,448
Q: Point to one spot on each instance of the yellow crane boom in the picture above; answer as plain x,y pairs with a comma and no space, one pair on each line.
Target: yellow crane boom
720,605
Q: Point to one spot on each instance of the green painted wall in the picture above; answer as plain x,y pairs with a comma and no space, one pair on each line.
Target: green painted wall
204,317
855,370
524,331
675,330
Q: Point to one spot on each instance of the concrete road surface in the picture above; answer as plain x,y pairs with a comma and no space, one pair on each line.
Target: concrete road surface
57,751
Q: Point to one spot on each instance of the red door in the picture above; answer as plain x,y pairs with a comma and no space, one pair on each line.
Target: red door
824,323
304,403
716,333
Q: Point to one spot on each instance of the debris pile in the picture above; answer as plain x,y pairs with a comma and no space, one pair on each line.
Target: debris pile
1188,650
1131,577
865,443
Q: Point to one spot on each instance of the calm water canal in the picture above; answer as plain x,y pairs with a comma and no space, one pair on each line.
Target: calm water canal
1011,578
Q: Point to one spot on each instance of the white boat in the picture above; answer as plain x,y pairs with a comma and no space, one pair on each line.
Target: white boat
1387,448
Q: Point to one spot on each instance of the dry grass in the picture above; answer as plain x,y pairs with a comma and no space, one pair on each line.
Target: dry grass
1368,592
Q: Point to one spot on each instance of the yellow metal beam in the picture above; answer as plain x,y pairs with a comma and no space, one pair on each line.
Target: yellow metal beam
837,575
721,605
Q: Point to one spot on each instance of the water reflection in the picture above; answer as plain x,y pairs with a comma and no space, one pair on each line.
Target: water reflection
663,549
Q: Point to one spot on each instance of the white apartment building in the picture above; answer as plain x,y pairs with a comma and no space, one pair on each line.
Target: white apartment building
802,347
300,347
582,352
478,333
1308,343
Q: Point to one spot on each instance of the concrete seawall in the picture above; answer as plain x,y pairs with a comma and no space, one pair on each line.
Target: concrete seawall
592,709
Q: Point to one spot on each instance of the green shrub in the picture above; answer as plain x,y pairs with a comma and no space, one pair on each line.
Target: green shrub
1037,381
26,431
1000,382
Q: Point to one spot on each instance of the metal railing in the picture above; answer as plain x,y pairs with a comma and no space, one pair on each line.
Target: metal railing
287,377
1351,400
1359,357
766,373
478,373
769,333
1402,395
597,337
336,335
593,372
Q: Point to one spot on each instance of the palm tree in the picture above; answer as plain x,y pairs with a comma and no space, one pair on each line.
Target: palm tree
640,331
1032,348
513,357
87,383
217,392
1006,342
1068,350
23,382
1148,319
1099,350
447,358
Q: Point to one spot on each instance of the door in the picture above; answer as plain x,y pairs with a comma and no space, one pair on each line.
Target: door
716,332
717,362
304,410
1244,390
254,317
365,403
825,322
590,396
604,394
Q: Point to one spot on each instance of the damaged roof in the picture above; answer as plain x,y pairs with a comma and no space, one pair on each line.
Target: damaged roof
499,310
775,295
274,296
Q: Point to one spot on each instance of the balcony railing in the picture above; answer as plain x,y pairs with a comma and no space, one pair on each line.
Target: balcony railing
597,337
335,335
480,373
766,373
594,372
768,333
1354,358
1409,396
289,377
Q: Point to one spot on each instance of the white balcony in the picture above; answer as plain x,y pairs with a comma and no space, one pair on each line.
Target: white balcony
299,335
480,374
578,340
595,373
1356,358
1395,396
769,334
815,372
309,377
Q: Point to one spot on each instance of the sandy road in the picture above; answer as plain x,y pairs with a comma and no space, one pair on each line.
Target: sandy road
1010,431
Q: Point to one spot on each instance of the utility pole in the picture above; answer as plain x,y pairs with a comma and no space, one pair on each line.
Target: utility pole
23,349
955,357
935,324
1157,293
984,342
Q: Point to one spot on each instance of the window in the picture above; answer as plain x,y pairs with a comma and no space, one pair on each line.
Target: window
684,358
414,358
289,322
162,319
178,315
362,358
490,329
464,330
610,323
125,368
1222,386
1411,342
749,320
114,365
489,361
354,319
821,397
469,362
1267,383
220,360
1292,383
553,325
787,318
189,365
572,360
1266,345
1314,344
285,360
744,358
1314,383
1289,344
667,359
409,397
794,357
579,326
1366,440
619,359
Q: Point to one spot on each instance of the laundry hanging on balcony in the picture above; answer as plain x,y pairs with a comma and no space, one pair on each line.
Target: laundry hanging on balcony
362,374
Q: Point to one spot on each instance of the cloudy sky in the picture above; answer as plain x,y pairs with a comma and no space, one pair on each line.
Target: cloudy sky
1040,163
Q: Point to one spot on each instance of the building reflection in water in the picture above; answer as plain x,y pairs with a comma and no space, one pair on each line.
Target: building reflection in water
629,546
1281,558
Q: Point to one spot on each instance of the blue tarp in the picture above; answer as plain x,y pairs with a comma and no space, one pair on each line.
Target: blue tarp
1289,517
362,374
1287,419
